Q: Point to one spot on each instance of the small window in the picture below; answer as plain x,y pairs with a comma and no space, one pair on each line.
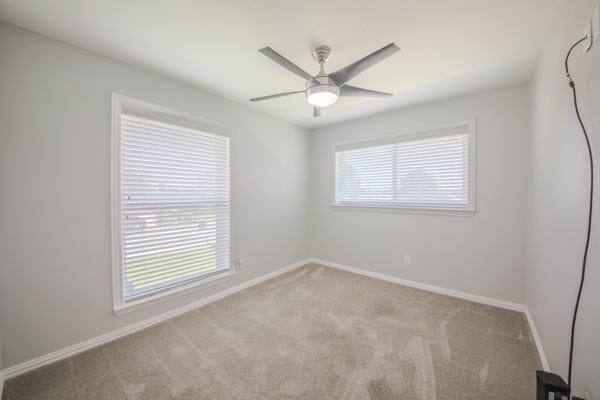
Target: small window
430,171
171,202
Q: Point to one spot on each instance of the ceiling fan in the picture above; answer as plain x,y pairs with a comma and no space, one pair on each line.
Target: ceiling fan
322,90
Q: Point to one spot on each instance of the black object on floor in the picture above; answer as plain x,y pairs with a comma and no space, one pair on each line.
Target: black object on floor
551,386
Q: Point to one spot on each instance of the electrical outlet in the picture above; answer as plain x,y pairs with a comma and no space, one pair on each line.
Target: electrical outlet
407,259
587,32
596,24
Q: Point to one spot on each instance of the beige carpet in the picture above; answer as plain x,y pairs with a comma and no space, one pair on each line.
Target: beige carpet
313,333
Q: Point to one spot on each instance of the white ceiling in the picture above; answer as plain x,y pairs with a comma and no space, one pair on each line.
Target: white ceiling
449,47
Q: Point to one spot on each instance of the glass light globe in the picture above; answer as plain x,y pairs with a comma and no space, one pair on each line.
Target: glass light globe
322,95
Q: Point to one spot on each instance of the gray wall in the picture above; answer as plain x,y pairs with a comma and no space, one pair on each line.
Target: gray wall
558,196
55,264
482,254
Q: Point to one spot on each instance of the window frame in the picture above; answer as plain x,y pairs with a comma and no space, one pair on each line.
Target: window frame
470,128
118,103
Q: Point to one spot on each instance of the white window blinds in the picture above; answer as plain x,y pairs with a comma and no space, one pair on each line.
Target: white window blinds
174,205
434,171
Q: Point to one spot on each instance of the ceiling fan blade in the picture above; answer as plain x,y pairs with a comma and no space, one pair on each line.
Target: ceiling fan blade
353,91
343,75
285,63
274,96
317,111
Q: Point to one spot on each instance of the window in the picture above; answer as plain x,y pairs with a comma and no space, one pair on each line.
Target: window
171,202
430,170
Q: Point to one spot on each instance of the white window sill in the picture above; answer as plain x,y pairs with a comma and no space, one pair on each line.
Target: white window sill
123,308
448,211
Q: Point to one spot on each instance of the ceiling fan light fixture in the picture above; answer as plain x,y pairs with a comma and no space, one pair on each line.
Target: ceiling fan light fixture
322,90
322,95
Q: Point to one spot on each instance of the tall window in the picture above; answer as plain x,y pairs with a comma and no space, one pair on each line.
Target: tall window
430,170
171,205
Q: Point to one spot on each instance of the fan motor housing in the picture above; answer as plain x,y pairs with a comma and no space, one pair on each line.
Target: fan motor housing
321,79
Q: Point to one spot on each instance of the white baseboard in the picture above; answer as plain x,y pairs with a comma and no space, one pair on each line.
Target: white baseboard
450,292
423,286
538,341
1,383
69,351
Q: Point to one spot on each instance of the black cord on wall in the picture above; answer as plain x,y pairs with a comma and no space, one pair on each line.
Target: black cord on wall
591,202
